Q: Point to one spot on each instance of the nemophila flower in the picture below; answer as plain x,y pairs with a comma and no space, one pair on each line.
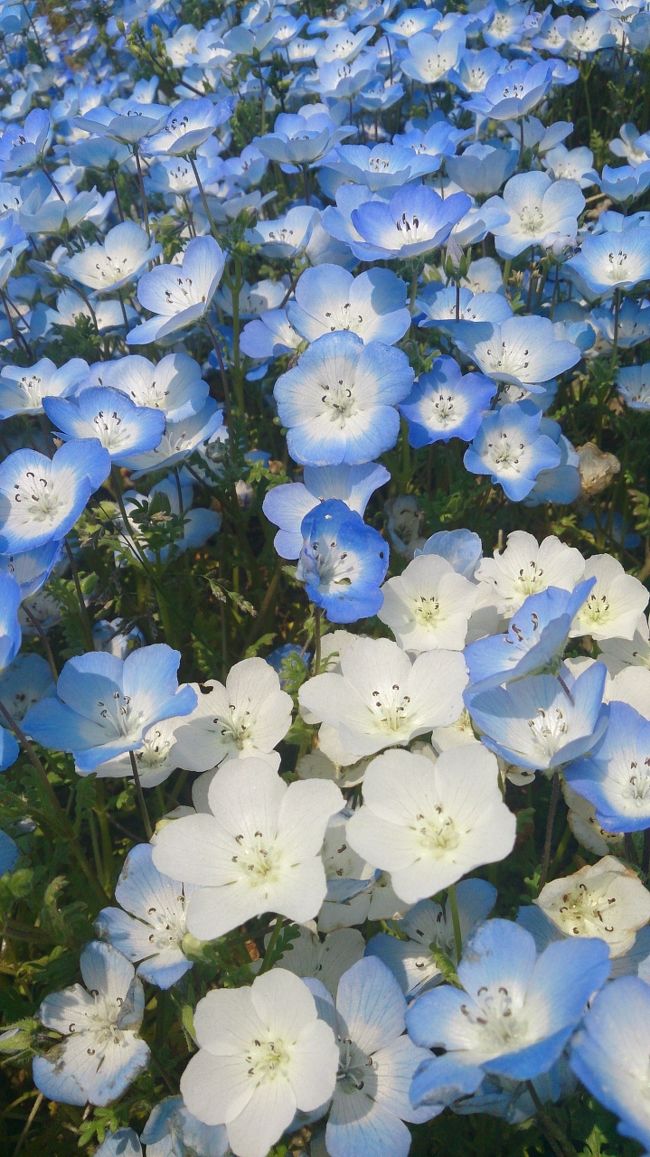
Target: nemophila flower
179,294
287,505
339,401
285,236
376,1064
616,260
539,209
534,641
382,167
513,92
41,498
248,716
22,388
109,416
257,850
431,58
342,562
382,699
513,1015
303,137
444,404
615,603
625,182
149,926
427,935
121,1143
328,298
609,1055
23,146
129,121
482,167
107,267
416,220
526,567
632,384
325,960
542,722
510,448
102,1053
461,548
10,633
31,568
606,900
614,773
181,438
444,306
174,384
263,1055
429,824
172,1131
104,705
188,125
428,606
521,351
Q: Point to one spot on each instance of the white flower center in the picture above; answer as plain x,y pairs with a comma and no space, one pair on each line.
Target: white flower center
530,579
584,913
32,388
117,716
492,1013
637,789
238,724
339,400
268,1059
391,708
596,609
426,609
342,318
356,1071
435,832
410,226
505,452
617,266
168,926
259,861
155,749
36,497
548,729
111,430
532,219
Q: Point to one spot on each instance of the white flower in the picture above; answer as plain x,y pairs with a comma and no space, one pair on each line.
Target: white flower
258,850
381,699
428,606
325,960
606,900
619,654
123,255
263,1055
526,567
101,1054
246,717
428,824
615,603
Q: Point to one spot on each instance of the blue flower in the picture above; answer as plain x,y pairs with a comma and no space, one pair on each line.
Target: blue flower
179,294
339,401
416,220
534,641
619,259
342,563
41,498
328,298
104,705
172,1131
513,1015
615,775
513,92
510,448
10,634
150,924
443,404
110,416
542,722
610,1054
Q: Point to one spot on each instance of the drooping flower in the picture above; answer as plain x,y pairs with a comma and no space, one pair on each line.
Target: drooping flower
179,294
102,1053
342,562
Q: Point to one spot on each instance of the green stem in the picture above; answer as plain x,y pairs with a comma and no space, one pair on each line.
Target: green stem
455,921
142,803
83,609
269,954
317,640
548,835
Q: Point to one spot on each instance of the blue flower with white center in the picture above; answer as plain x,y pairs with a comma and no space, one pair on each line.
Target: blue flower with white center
110,416
615,774
101,1053
172,1131
124,254
188,125
513,92
610,1054
384,166
328,298
149,926
618,259
445,306
538,209
22,388
22,146
287,505
633,386
342,563
522,351
513,1015
510,448
377,1061
105,705
42,498
339,401
302,137
179,294
542,722
534,641
443,404
416,220
626,182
